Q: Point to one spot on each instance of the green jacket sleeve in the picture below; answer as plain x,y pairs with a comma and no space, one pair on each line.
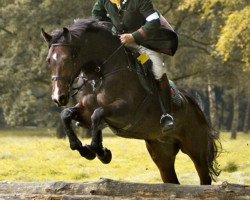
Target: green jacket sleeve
99,12
152,21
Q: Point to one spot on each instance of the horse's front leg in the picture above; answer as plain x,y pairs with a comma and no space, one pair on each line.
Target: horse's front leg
67,115
115,109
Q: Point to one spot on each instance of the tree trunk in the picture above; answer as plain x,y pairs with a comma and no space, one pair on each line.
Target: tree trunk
60,133
2,121
235,121
84,132
246,128
212,106
88,133
110,189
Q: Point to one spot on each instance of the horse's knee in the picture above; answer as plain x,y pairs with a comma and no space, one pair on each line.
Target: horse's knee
97,115
66,115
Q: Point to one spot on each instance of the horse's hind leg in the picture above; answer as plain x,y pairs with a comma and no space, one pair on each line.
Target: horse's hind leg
203,170
199,157
196,146
67,115
163,154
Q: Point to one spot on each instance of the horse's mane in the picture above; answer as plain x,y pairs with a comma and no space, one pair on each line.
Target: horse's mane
82,25
79,27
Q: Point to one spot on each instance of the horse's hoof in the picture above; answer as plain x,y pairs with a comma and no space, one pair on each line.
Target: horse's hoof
106,156
87,153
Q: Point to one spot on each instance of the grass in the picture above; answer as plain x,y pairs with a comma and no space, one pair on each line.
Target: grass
230,167
35,155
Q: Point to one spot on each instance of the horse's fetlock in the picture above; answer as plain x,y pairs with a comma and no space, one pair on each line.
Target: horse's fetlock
75,145
96,146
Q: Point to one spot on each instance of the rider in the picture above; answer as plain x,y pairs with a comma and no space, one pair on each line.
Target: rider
140,26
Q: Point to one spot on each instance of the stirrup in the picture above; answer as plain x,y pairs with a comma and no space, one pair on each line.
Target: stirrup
167,122
78,124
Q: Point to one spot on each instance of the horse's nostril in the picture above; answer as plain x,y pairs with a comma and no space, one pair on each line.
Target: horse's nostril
63,99
56,102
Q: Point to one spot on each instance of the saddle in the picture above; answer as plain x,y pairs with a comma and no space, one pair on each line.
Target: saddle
143,67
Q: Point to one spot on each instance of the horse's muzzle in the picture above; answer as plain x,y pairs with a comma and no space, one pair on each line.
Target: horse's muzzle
62,100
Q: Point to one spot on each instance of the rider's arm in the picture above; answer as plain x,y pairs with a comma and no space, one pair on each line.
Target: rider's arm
99,12
152,24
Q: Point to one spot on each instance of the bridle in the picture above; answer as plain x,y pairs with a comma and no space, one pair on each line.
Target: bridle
98,68
74,50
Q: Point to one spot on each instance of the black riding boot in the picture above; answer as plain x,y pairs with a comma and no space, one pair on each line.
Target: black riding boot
167,120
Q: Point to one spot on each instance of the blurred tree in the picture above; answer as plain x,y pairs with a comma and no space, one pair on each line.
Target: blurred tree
24,80
213,105
214,48
246,127
2,121
219,31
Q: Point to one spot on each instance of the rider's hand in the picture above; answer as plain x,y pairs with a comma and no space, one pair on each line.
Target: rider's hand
127,38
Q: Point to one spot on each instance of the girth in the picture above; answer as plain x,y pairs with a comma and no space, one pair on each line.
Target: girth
138,114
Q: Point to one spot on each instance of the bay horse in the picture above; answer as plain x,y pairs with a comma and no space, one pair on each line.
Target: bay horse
118,99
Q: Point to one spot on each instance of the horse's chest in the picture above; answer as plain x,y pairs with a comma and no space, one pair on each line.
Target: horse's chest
103,99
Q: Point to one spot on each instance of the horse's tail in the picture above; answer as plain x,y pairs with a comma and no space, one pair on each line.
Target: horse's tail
214,145
214,150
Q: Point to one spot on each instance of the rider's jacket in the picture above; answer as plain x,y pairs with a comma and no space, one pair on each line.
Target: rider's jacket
148,27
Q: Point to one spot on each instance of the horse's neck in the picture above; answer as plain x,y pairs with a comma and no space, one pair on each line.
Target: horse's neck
111,48
104,50
114,57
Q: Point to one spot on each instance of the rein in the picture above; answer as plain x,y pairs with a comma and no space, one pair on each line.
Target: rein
97,69
98,82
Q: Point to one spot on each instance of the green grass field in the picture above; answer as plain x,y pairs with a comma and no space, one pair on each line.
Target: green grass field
35,155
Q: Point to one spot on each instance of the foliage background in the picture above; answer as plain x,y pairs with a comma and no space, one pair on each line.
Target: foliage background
212,61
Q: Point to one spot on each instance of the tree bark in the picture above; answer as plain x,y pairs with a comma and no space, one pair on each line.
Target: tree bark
2,121
84,132
246,128
212,106
60,133
235,121
110,189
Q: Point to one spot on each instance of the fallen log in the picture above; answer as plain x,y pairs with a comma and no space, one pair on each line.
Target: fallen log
111,189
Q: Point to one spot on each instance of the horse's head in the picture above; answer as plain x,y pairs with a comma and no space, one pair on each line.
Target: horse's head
86,45
63,62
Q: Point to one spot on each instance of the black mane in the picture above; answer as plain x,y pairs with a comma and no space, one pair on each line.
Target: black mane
79,27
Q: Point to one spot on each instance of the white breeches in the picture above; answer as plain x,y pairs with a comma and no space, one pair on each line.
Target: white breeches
157,60
158,67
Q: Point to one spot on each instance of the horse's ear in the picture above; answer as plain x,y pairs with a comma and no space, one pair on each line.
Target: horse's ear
66,34
47,37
